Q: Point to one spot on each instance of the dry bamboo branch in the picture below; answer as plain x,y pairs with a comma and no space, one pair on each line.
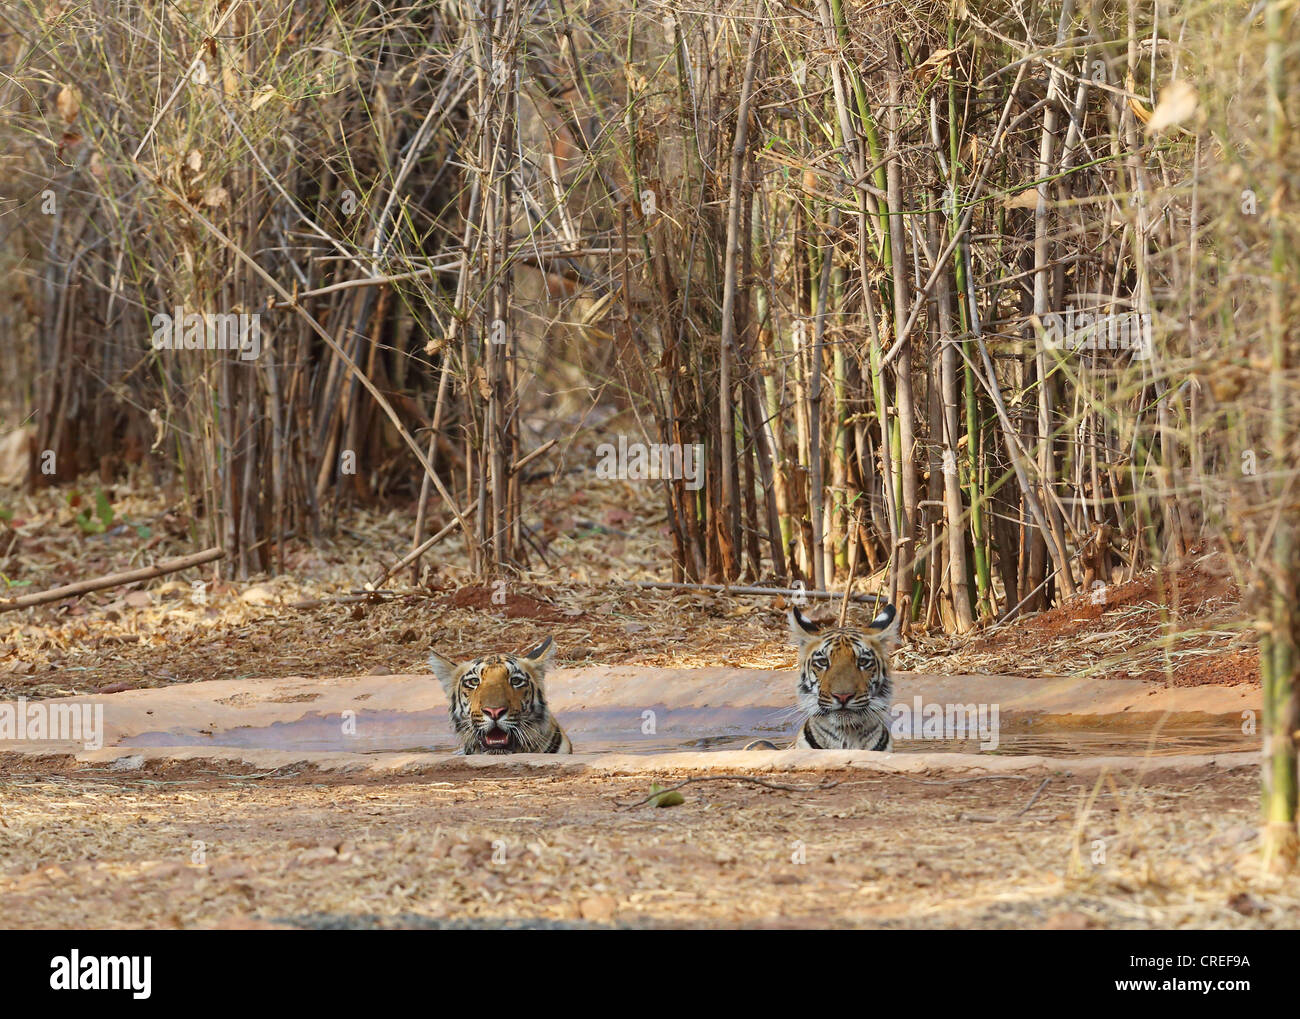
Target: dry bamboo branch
726,404
415,553
112,580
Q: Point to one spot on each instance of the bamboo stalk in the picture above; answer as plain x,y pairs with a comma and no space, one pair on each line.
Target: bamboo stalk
1280,643
726,403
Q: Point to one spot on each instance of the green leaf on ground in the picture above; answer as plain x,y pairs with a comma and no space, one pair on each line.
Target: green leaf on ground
669,799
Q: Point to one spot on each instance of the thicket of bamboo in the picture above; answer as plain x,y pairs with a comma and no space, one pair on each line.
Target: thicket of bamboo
994,300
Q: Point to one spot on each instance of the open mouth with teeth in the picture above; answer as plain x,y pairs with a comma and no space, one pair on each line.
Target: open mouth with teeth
496,739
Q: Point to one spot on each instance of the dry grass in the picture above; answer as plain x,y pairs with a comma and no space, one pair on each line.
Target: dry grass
1171,850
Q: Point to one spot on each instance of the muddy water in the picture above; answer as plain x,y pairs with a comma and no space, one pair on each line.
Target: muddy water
660,729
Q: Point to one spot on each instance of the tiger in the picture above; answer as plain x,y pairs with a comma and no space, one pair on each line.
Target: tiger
844,689
498,703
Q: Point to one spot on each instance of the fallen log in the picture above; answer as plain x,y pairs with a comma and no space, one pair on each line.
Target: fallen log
112,580
656,585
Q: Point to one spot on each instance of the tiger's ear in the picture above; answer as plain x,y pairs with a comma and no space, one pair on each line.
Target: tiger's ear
445,670
802,629
885,627
539,658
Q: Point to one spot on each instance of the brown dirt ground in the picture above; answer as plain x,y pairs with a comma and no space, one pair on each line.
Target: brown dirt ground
82,847
1182,626
312,620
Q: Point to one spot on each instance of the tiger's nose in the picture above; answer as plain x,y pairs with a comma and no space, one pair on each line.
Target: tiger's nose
494,713
843,698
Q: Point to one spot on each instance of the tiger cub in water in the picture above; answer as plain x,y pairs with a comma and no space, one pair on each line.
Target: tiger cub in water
844,689
498,703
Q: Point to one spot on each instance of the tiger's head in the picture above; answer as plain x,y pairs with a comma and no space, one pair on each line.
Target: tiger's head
498,703
844,672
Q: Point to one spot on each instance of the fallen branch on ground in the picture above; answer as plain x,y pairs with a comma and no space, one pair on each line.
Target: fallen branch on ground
659,585
1033,799
963,781
112,580
344,599
731,778
985,819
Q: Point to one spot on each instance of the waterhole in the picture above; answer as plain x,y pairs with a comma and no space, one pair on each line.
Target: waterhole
659,729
